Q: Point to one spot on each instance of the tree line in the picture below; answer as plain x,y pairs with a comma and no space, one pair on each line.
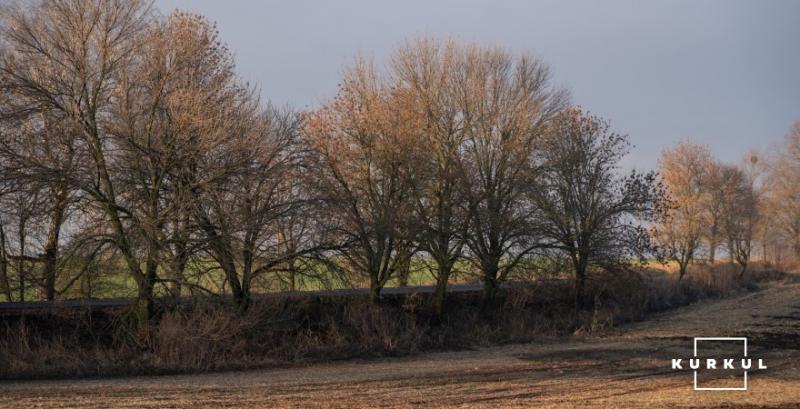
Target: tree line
748,208
128,142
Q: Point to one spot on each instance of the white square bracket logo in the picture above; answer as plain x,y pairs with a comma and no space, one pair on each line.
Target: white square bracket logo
743,340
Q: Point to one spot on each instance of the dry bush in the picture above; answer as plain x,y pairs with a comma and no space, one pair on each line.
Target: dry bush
377,330
201,339
212,336
624,295
62,344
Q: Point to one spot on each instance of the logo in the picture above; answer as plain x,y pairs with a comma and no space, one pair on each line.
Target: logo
717,358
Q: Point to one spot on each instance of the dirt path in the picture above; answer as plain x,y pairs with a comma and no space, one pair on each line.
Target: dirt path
629,368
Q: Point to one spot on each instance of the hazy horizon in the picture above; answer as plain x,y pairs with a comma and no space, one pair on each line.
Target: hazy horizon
723,73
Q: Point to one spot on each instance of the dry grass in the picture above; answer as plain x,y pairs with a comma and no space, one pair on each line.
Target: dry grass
627,367
208,336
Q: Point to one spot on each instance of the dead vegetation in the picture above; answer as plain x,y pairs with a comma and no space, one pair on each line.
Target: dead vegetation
208,336
625,367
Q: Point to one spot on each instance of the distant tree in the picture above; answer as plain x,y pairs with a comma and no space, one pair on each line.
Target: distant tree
782,190
684,171
586,209
714,198
741,211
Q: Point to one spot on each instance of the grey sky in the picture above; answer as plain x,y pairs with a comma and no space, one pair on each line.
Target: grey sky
725,73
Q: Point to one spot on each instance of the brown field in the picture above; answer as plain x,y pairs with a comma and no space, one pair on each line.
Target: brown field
629,367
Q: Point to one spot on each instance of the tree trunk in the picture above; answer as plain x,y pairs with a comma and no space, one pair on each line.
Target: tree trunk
374,289
402,277
145,303
239,289
243,300
490,282
20,261
731,251
221,248
580,282
580,264
177,266
292,275
4,265
489,290
403,269
440,292
712,250
240,297
107,197
49,270
51,247
144,310
682,267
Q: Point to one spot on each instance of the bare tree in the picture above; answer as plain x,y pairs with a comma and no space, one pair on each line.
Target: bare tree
65,57
362,163
40,150
782,191
585,209
22,207
684,170
245,217
5,187
299,238
505,103
741,211
4,264
179,111
427,68
713,203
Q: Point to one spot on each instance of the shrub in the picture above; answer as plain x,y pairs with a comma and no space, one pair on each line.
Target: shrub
210,335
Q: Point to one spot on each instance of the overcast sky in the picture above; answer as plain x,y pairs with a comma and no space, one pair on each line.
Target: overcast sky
725,73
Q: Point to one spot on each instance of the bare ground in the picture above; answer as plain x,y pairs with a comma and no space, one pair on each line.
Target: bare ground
629,367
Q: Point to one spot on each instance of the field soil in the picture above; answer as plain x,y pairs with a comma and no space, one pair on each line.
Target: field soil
625,367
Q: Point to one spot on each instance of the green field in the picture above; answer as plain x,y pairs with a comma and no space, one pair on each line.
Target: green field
201,277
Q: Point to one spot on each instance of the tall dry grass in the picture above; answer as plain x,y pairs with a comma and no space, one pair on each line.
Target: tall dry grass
212,336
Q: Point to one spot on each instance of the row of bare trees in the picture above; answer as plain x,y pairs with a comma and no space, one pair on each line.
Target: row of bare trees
466,153
744,208
129,146
124,127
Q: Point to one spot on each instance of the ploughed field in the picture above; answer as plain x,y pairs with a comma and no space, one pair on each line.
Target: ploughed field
627,367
